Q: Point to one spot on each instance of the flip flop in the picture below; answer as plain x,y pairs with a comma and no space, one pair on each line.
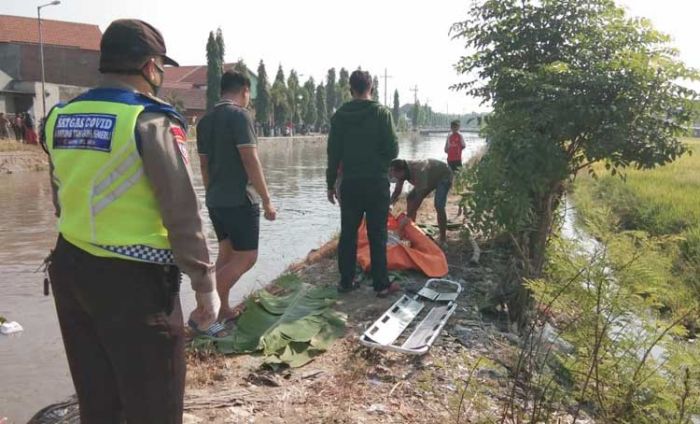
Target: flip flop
230,322
216,330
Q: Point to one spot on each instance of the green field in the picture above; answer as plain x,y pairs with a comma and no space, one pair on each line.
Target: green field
660,210
665,200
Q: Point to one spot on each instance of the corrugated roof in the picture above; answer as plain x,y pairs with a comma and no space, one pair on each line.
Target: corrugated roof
19,29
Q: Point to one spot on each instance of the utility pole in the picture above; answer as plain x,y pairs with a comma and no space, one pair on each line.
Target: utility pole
386,77
415,106
415,94
41,53
427,107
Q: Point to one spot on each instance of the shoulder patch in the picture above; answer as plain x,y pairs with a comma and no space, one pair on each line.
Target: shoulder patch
180,142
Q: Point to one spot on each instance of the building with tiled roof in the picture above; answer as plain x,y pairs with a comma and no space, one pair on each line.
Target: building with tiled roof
20,29
71,58
187,87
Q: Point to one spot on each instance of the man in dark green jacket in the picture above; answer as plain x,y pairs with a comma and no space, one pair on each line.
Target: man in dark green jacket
361,144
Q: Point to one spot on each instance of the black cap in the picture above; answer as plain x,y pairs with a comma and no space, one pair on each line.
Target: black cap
129,39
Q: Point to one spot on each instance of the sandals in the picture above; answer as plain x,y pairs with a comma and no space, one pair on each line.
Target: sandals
230,322
391,289
217,329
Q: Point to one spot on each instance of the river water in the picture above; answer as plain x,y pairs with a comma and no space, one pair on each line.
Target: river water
33,368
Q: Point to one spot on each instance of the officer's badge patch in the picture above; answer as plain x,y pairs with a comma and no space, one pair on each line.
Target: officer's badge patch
181,142
85,131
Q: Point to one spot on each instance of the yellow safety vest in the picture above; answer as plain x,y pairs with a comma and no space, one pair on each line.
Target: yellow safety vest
108,207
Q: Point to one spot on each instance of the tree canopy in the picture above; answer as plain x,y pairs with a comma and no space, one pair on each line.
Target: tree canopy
263,101
343,90
309,102
280,99
321,111
397,107
215,63
571,82
331,91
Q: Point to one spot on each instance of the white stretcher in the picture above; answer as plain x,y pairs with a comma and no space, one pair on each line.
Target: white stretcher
384,332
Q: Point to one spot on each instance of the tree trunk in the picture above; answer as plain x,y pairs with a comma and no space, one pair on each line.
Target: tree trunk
532,247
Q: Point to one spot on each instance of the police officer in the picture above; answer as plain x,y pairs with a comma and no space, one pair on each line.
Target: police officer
128,221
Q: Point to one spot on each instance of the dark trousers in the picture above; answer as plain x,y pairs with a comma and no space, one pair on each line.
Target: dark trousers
363,198
123,332
454,164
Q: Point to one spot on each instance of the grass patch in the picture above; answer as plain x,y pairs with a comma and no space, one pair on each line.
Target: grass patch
8,145
661,201
659,213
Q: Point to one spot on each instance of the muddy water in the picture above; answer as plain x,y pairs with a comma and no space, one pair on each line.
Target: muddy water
33,368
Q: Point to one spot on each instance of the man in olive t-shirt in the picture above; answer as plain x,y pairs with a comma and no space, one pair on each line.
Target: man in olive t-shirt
425,176
235,184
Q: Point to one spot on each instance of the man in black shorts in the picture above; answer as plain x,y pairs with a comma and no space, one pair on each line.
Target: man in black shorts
235,184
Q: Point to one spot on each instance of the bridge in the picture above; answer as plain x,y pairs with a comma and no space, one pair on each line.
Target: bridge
428,131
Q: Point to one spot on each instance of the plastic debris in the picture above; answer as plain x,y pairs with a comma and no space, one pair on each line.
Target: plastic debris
378,408
10,327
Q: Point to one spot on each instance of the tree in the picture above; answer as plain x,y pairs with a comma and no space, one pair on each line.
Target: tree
294,94
241,67
331,90
375,89
415,115
343,93
279,78
321,111
280,99
263,102
309,94
596,86
397,106
215,63
220,44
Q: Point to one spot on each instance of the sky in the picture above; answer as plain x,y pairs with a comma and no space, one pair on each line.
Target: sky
409,39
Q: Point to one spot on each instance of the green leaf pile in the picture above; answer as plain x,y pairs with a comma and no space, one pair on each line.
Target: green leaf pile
290,328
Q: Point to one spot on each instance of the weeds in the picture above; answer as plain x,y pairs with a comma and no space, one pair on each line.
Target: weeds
627,359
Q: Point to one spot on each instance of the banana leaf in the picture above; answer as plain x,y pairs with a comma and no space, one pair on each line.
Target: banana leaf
291,328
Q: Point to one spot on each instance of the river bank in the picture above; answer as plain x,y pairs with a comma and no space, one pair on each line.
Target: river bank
295,172
15,157
619,297
466,373
350,383
659,213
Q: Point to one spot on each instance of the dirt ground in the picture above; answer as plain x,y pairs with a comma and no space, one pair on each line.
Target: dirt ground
463,378
16,157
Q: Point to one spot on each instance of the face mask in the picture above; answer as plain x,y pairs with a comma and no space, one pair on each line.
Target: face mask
155,87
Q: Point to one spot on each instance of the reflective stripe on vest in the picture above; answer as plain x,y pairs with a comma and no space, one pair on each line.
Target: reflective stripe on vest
107,206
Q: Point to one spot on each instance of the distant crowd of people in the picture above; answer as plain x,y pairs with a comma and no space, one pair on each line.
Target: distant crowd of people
20,126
